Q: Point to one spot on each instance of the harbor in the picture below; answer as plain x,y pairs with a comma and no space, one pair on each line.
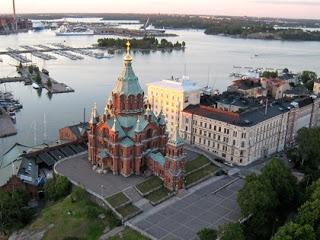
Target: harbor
41,79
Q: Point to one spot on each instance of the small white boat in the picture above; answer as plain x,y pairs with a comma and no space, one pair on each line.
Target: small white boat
35,86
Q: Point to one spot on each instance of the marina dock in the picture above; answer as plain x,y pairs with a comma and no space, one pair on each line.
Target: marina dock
35,52
11,79
76,50
15,54
47,82
7,127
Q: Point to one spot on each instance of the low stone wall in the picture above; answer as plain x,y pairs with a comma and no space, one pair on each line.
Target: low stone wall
147,193
163,199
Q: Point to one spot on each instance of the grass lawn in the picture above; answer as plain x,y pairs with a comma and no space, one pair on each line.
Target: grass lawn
117,199
196,163
127,210
129,234
74,218
149,184
201,173
158,195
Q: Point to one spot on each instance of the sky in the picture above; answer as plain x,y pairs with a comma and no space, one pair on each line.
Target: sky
260,8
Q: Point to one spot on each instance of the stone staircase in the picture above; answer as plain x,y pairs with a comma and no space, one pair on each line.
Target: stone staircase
137,199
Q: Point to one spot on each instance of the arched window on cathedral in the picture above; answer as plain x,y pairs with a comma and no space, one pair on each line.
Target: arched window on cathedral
122,102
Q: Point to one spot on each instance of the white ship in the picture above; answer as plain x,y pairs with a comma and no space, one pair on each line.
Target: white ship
76,31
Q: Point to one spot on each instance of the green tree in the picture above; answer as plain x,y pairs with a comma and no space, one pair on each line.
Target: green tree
308,78
270,74
49,83
232,231
14,211
207,234
283,183
38,78
30,68
308,150
57,188
309,213
294,231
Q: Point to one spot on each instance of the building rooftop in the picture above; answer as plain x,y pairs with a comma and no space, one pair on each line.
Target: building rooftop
245,119
183,84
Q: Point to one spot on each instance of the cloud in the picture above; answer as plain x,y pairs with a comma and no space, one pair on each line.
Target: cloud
293,2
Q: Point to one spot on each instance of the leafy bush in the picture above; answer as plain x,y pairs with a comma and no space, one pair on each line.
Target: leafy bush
207,234
57,188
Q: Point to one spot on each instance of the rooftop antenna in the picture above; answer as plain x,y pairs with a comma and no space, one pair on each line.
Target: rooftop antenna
14,15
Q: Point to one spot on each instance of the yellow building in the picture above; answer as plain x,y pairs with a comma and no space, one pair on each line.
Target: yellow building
171,97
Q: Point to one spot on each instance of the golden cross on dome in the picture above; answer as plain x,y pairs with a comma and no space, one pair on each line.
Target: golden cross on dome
128,47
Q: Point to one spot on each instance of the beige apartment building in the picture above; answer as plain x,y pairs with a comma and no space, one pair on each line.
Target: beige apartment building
238,138
171,97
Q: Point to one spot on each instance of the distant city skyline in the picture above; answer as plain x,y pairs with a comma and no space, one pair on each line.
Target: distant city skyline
259,8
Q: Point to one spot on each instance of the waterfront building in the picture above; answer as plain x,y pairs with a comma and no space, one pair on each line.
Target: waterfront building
238,138
128,138
260,87
171,96
74,133
304,112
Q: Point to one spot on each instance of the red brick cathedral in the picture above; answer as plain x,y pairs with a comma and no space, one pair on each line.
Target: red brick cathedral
129,139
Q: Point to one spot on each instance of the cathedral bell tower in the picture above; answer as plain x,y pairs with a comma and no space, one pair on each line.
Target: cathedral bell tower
175,163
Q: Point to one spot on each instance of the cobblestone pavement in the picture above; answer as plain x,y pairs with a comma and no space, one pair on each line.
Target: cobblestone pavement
79,170
209,206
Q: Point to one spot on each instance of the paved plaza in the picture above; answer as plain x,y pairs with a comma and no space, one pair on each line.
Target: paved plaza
79,169
210,206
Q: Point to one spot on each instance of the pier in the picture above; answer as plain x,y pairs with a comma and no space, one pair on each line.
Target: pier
15,54
7,127
35,52
77,50
11,79
47,82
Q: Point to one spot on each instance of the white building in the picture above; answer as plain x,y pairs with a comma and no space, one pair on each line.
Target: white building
171,97
238,138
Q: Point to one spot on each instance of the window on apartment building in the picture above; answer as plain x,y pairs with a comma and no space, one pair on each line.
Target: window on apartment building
240,160
209,135
186,128
200,132
210,126
208,143
242,144
200,124
235,133
218,137
219,129
223,155
218,146
213,144
215,128
200,140
214,136
241,153
204,141
231,159
193,139
234,142
205,133
205,125
243,135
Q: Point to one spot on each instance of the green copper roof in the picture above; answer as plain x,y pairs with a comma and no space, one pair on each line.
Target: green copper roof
126,142
104,153
127,83
116,127
158,157
176,139
161,118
